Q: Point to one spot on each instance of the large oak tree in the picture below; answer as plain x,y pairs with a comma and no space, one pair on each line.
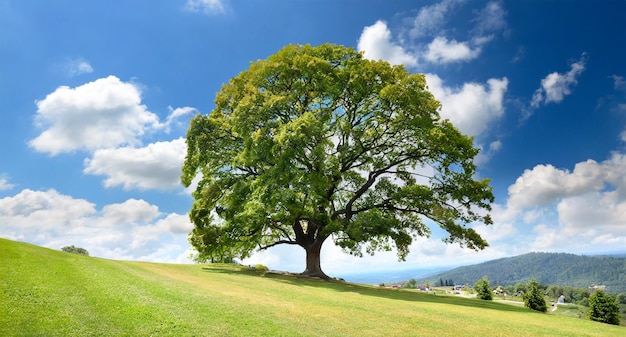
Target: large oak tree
317,143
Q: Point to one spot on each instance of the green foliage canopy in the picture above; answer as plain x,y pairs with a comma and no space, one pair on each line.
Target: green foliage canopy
603,308
318,142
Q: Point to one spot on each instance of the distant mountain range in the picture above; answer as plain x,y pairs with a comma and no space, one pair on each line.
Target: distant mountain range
389,276
562,269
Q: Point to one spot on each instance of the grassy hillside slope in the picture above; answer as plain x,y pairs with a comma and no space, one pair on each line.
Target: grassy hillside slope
51,293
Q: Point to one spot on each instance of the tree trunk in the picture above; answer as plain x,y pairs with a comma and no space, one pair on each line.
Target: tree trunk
313,267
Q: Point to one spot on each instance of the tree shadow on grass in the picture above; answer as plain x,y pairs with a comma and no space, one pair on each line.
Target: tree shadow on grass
366,290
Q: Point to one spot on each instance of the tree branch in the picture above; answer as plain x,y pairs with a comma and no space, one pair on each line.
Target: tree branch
279,242
370,181
249,170
282,230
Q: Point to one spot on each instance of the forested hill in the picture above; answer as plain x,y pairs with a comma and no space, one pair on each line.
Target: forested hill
547,268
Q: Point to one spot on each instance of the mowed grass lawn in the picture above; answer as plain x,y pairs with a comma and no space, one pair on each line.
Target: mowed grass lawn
51,293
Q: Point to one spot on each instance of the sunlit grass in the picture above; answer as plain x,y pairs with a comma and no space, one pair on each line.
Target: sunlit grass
51,293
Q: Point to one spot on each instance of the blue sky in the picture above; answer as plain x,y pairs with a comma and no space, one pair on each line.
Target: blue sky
95,98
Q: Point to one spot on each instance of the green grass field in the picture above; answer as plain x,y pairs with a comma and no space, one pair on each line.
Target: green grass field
51,293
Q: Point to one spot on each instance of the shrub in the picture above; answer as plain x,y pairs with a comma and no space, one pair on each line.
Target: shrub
483,289
75,250
262,269
603,308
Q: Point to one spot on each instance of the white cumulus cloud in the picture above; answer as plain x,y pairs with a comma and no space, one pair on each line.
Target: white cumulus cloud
606,210
130,230
545,184
376,44
377,41
440,50
472,107
42,212
580,211
100,114
130,211
4,184
605,205
431,21
176,223
155,166
555,86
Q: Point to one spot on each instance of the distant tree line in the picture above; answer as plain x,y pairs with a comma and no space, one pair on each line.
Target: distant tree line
445,283
75,250
603,307
533,295
570,294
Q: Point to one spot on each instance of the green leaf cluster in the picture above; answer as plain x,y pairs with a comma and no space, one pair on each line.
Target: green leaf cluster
318,142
